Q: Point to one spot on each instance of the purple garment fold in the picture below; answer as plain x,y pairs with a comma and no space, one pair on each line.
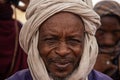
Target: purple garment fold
25,75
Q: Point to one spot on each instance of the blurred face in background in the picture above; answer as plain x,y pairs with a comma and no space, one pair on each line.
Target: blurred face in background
108,35
61,42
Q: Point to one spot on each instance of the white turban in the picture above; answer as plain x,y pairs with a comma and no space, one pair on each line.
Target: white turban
40,10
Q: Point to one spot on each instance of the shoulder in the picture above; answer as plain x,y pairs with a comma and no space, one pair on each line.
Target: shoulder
96,75
21,75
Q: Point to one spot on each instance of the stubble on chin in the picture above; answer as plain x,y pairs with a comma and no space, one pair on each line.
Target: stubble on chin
56,78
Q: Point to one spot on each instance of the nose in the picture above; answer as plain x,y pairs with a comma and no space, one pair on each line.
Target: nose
109,39
62,49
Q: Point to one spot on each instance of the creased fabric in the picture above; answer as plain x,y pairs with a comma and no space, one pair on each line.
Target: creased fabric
40,10
107,7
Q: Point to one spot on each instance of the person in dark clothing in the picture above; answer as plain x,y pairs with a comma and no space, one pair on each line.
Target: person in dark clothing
108,37
12,57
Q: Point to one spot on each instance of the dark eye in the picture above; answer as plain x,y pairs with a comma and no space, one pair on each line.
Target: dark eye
100,31
50,40
74,41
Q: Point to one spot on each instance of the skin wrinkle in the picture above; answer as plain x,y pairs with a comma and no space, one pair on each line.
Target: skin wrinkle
61,50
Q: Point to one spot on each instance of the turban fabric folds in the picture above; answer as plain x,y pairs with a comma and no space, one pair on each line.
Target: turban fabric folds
107,7
40,10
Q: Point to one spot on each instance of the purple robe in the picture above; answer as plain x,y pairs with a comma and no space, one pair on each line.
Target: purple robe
25,75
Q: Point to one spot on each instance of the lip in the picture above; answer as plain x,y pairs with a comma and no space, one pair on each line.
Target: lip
107,50
62,65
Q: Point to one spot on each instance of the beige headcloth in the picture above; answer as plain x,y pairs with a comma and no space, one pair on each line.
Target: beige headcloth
40,10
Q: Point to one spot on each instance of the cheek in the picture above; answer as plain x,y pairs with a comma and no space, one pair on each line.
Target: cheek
44,50
78,51
100,38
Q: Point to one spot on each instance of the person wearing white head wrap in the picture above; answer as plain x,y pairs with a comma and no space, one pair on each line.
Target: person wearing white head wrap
38,12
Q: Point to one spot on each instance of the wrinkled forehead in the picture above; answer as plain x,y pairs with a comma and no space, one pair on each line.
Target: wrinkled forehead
64,17
63,23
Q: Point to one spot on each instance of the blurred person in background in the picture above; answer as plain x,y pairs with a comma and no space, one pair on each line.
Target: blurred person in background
12,57
108,37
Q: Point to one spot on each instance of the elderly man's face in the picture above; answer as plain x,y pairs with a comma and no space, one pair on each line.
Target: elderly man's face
61,41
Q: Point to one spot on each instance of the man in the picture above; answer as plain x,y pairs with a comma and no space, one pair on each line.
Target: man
12,57
108,37
59,40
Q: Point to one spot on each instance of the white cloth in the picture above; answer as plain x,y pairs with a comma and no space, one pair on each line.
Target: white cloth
40,10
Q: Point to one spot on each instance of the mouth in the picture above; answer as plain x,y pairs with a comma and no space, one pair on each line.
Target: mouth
62,65
107,50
